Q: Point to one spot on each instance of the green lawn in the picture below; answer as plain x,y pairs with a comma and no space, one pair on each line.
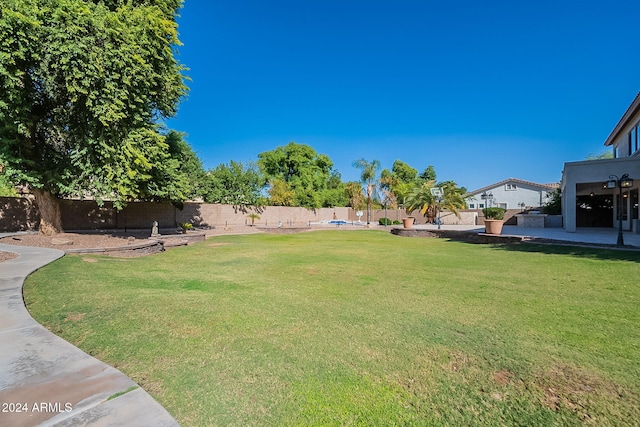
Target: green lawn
361,328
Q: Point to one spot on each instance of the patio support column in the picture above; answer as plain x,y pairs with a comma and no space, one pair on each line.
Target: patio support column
569,207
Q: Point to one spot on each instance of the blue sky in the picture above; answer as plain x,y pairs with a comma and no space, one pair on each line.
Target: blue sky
483,91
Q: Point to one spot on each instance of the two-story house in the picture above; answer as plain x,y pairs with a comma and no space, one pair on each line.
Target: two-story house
591,190
512,193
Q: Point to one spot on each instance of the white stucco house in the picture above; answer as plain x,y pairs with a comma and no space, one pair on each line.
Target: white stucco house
591,189
512,193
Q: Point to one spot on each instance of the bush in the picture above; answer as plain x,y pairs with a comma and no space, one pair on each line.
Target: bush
493,213
396,222
554,205
384,221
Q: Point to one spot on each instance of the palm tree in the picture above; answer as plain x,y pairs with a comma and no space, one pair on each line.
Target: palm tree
253,217
368,177
429,205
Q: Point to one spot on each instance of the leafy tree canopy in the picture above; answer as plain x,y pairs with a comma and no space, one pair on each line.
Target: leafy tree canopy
280,193
83,84
429,174
6,188
398,183
235,184
404,172
353,191
607,154
299,166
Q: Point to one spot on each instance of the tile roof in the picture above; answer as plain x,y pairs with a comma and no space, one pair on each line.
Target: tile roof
548,187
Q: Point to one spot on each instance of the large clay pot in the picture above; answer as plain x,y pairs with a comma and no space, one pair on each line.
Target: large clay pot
407,222
493,226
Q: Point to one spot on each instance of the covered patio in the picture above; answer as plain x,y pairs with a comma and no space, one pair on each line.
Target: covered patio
588,202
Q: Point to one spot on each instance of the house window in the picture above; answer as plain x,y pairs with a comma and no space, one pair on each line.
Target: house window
480,205
510,187
472,206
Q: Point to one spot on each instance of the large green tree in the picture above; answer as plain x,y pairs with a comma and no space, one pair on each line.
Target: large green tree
397,183
235,184
305,172
429,174
82,86
187,172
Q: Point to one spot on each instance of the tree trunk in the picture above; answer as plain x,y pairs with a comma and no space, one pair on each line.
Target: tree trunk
50,219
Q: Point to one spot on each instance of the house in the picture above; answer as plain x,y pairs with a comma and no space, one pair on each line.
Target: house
511,193
592,194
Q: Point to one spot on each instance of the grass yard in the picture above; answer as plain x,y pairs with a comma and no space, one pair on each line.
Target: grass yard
361,328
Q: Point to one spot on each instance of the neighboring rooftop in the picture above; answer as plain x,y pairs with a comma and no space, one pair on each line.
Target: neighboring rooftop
548,187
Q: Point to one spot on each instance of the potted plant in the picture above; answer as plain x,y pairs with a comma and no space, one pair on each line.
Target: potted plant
408,222
493,220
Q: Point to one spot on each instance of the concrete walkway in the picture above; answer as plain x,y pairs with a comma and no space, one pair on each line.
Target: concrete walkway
44,380
600,236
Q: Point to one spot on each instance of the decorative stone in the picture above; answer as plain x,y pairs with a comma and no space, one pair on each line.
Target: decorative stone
154,229
61,241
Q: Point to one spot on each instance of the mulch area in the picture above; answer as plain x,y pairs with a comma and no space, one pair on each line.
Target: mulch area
6,256
100,239
77,240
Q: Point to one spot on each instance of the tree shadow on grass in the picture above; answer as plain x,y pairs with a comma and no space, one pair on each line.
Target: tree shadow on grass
533,245
577,250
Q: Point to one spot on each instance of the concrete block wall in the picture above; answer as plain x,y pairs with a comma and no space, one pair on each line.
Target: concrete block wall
18,214
22,214
467,217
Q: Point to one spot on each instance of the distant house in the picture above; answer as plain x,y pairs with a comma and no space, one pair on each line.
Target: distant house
511,193
587,200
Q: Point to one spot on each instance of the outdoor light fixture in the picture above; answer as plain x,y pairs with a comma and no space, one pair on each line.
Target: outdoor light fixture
487,196
621,182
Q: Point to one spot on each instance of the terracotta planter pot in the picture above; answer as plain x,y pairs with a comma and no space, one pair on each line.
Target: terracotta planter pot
493,226
407,222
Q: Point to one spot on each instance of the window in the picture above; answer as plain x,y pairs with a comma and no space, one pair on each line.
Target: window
510,187
472,206
633,139
481,206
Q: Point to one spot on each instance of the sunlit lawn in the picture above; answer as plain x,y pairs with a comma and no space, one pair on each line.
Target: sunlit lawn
361,328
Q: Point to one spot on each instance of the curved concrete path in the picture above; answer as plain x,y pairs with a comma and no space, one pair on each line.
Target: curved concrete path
44,380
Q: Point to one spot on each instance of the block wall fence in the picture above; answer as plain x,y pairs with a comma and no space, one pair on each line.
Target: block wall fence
21,214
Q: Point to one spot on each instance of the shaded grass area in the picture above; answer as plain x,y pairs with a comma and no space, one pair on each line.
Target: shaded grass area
360,328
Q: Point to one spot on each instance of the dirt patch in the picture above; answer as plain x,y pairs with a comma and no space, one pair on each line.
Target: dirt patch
216,244
568,387
6,256
502,377
74,317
